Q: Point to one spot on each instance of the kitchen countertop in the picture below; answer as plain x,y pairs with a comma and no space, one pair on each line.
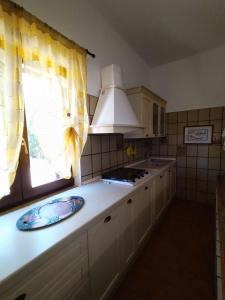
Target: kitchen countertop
19,248
221,220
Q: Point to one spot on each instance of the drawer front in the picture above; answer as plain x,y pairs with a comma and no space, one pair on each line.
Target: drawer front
83,293
68,267
103,239
65,284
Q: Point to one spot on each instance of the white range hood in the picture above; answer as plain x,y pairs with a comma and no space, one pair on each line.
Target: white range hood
113,113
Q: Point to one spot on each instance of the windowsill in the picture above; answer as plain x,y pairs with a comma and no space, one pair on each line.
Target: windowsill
39,199
33,201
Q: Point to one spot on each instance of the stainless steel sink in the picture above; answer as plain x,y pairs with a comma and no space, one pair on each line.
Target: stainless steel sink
154,163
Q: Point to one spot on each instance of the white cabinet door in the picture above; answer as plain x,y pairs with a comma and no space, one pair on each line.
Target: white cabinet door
172,182
166,182
153,201
127,230
103,244
142,213
161,193
158,196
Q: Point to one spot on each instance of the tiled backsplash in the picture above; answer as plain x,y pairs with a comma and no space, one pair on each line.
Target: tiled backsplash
105,152
197,165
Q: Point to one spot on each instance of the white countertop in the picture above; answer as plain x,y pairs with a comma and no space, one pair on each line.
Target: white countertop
18,248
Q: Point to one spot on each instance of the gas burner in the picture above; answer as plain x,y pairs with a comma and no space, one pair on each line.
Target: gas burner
128,176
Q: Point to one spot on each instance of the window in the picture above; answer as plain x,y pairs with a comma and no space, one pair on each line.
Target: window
43,108
42,104
43,115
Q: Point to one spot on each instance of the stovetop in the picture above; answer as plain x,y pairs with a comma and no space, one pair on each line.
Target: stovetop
126,175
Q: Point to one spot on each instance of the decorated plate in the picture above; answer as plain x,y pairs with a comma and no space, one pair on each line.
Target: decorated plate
50,213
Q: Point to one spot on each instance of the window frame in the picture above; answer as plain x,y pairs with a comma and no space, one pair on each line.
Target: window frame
21,191
15,196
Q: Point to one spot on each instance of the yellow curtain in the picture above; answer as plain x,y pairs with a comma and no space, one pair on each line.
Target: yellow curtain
64,135
33,53
11,102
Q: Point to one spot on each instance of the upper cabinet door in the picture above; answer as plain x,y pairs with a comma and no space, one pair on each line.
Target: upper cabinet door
150,111
147,117
162,121
155,121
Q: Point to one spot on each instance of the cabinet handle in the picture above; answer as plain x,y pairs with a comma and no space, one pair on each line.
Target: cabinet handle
146,188
21,297
107,219
146,135
129,201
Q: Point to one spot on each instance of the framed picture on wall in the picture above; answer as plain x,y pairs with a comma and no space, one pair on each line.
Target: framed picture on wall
198,134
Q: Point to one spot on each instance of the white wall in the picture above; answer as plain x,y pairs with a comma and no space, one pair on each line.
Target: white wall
81,22
195,82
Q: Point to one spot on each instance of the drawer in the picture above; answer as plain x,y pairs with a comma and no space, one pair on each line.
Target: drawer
66,265
65,284
83,293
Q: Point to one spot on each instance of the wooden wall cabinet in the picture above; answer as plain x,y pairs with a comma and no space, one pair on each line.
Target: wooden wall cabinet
150,111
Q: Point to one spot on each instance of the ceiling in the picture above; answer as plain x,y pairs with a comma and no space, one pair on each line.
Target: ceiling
162,31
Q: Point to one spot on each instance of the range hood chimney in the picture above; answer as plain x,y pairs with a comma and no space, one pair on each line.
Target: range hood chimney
113,113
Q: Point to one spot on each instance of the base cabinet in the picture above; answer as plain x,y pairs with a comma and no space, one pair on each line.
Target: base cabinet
161,192
90,266
127,232
103,239
60,274
172,183
159,195
114,240
142,213
166,187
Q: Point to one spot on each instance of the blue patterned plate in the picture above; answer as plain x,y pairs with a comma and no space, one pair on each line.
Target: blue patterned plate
50,213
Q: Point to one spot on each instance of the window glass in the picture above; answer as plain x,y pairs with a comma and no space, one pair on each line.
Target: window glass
43,106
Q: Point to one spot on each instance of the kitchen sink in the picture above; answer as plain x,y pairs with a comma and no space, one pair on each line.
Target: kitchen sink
157,162
154,163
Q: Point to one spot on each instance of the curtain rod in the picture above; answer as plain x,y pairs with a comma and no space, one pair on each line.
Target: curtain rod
10,6
90,53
